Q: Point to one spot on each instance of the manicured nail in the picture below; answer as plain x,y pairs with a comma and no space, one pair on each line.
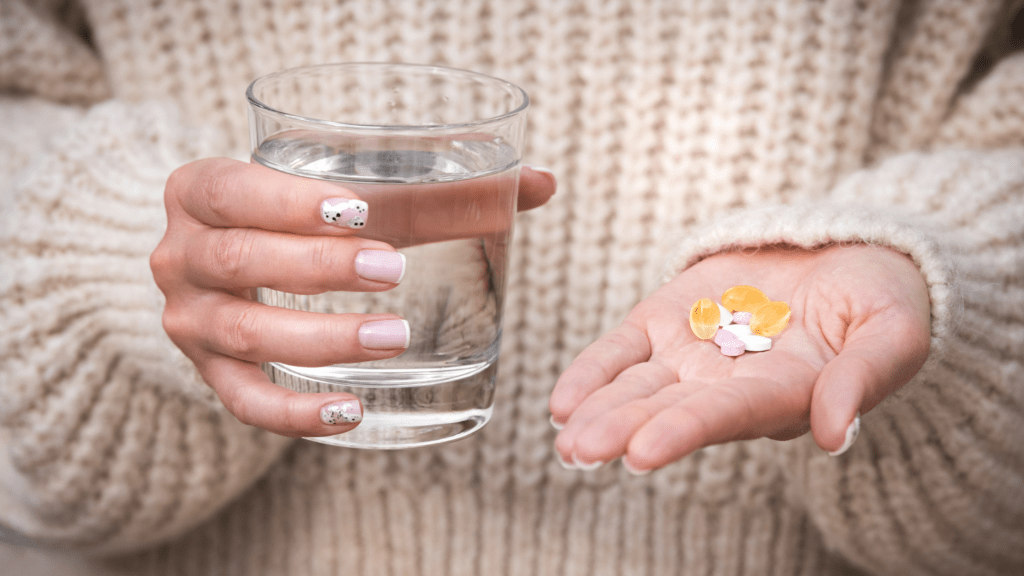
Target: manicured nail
344,212
381,265
633,471
341,413
556,425
541,169
586,467
851,434
385,335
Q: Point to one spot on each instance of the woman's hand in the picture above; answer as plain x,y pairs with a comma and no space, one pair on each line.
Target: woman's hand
651,392
233,227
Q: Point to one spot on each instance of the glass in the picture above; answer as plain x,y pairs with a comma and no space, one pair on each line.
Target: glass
435,152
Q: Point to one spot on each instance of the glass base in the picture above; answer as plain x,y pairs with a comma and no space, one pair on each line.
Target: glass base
397,413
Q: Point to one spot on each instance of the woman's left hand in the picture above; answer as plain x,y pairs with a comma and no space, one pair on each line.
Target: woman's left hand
651,392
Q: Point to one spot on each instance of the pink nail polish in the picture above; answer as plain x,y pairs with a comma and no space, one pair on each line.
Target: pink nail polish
344,212
385,335
380,265
341,413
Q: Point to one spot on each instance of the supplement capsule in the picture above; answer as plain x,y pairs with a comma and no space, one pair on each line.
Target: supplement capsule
770,319
743,299
704,317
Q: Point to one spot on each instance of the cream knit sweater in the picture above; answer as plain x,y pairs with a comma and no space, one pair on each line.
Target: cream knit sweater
677,130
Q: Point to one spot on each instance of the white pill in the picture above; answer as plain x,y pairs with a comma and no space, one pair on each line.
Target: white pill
755,343
740,330
726,316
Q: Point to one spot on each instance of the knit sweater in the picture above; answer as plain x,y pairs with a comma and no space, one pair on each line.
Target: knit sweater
677,130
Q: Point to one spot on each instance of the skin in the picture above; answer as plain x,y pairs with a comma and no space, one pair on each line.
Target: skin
651,392
234,226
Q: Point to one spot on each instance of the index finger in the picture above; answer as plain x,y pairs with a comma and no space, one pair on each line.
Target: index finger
597,366
226,193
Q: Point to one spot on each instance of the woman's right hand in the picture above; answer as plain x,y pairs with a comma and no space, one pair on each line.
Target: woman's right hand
232,227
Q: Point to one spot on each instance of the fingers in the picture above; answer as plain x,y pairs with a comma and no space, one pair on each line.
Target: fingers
247,393
244,257
596,366
253,332
226,193
878,358
536,186
587,444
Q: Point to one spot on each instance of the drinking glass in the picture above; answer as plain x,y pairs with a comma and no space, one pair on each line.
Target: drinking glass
435,153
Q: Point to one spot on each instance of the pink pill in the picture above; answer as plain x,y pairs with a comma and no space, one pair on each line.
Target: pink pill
741,317
734,347
723,336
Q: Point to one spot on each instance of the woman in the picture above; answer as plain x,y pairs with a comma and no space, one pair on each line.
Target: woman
861,161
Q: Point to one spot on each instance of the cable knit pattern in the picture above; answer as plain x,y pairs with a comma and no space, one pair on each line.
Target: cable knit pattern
38,56
675,129
94,394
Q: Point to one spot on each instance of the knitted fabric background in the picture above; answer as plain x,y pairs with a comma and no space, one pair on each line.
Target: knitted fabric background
676,130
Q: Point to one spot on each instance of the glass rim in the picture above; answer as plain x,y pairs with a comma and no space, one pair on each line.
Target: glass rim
256,103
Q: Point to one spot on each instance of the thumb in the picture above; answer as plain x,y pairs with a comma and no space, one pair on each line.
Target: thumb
879,357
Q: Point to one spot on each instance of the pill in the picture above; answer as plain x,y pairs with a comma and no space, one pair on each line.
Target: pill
743,299
704,318
726,316
770,319
739,330
741,317
755,343
723,336
733,347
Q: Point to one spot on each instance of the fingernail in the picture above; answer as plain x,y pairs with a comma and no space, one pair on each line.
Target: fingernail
380,265
341,413
586,467
344,212
633,471
851,435
541,169
565,464
556,425
385,335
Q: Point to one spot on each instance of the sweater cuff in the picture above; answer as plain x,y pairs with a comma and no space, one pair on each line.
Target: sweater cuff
811,226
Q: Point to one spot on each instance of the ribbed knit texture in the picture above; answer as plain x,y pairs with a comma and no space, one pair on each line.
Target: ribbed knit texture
676,130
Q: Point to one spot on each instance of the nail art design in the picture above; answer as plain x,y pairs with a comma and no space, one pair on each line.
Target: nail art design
385,335
851,435
381,265
344,212
341,413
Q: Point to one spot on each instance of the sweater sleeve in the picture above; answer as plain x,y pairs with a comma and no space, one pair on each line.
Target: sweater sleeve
109,440
933,483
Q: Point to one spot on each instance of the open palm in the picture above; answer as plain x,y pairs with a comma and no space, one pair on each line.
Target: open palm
652,392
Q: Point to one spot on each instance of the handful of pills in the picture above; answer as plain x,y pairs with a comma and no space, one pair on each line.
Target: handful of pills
745,321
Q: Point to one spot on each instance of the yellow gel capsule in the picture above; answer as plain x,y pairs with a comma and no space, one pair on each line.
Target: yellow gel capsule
743,299
704,317
770,319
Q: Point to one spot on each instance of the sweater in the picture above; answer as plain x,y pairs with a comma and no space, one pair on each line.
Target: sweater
677,130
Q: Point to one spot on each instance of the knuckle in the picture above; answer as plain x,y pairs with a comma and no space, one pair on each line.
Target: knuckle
234,400
234,248
323,254
241,334
177,181
214,187
175,324
293,415
162,264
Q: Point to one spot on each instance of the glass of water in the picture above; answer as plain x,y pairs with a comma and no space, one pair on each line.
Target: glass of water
435,152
